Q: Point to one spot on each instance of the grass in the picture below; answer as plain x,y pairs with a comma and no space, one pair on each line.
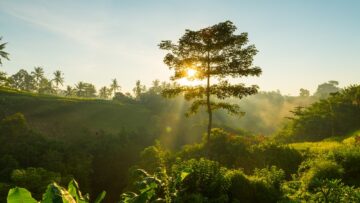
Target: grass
326,145
58,116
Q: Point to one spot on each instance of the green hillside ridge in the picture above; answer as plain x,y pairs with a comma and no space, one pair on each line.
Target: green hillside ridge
58,116
328,144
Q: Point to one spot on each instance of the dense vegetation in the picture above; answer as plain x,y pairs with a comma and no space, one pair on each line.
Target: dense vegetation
101,159
140,147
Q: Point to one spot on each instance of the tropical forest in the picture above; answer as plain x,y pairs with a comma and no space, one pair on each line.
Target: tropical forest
179,101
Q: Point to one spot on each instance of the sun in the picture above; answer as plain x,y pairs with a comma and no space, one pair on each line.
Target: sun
190,79
190,73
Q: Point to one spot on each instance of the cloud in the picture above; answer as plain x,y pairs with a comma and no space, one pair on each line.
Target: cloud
57,21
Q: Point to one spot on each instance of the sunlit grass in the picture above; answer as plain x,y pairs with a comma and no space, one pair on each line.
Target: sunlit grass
316,147
327,144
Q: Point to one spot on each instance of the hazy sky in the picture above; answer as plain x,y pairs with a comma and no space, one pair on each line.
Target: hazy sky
301,43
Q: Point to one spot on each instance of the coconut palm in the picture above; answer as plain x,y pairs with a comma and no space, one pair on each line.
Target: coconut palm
3,54
38,74
80,89
114,86
58,78
69,91
104,92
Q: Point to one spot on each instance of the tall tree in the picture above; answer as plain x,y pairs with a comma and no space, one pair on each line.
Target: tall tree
114,86
304,92
58,78
104,92
324,90
80,89
138,89
22,80
38,75
70,91
90,90
4,81
84,89
46,87
210,54
3,54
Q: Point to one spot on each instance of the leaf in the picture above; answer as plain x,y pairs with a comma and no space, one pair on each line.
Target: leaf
183,175
57,194
100,197
73,189
20,195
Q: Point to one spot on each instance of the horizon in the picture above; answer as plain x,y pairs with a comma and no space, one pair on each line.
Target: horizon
307,43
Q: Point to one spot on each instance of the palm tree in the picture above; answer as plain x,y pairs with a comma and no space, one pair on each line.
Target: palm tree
58,78
104,92
69,91
38,73
114,86
3,54
80,89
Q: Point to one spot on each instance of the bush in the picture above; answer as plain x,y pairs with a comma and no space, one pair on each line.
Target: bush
281,156
34,179
349,159
240,187
318,170
206,178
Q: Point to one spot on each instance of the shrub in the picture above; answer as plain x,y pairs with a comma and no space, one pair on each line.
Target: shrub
240,187
281,156
349,159
35,179
318,170
206,178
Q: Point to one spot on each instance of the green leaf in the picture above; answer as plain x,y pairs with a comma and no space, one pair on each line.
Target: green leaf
57,194
100,197
183,175
73,189
20,195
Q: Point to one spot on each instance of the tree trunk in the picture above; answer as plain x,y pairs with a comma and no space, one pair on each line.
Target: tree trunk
209,110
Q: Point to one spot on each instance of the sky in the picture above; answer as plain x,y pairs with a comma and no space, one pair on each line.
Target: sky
301,43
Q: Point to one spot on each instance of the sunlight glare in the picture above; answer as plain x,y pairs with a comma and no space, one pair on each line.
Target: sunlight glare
191,73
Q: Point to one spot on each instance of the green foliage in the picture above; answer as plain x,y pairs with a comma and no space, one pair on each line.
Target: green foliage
336,115
148,186
304,93
282,156
335,191
206,178
349,158
247,152
3,54
17,195
34,179
58,78
214,52
53,193
324,90
262,186
84,89
240,187
22,80
318,170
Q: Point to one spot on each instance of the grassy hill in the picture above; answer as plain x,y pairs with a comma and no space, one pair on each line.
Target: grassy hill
58,116
326,145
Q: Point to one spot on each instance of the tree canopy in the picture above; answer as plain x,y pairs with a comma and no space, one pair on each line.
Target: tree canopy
3,54
213,54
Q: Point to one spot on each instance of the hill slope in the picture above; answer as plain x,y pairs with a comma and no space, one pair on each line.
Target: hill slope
58,116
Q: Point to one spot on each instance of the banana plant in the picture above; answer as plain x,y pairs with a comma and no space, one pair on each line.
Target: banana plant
53,194
158,187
